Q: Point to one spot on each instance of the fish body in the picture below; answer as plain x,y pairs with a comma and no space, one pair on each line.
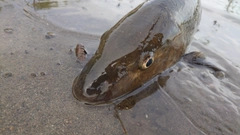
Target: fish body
148,40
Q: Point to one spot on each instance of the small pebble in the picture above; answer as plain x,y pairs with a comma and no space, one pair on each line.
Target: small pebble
77,61
70,50
204,75
59,63
219,74
26,52
67,121
84,8
118,5
171,71
6,75
33,75
11,53
8,30
188,99
214,22
80,52
42,73
41,93
11,128
51,48
49,35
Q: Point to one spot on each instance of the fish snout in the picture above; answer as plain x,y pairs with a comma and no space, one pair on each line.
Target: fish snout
93,92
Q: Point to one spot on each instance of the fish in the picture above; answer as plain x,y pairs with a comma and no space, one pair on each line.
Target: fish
145,42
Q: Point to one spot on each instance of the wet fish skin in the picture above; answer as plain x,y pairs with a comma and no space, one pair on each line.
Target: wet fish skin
156,30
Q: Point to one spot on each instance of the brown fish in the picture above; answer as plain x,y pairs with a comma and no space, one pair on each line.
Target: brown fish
145,42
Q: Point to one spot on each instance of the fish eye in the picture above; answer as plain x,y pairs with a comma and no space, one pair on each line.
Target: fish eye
146,60
149,62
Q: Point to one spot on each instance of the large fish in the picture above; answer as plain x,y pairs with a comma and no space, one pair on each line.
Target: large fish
145,42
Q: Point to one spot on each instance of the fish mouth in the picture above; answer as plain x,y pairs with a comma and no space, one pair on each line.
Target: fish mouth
98,92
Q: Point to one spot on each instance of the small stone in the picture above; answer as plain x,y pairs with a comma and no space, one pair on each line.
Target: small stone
6,75
42,73
118,5
41,92
49,35
11,128
219,74
204,75
139,124
80,52
26,52
77,61
33,75
71,51
214,22
68,121
84,8
8,30
59,63
187,99
51,48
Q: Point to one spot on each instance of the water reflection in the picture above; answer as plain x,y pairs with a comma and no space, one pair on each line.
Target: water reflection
89,17
48,4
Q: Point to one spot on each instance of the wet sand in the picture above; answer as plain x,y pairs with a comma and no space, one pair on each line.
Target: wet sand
36,74
37,98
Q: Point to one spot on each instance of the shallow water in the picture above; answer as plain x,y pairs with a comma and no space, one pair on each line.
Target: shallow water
36,73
